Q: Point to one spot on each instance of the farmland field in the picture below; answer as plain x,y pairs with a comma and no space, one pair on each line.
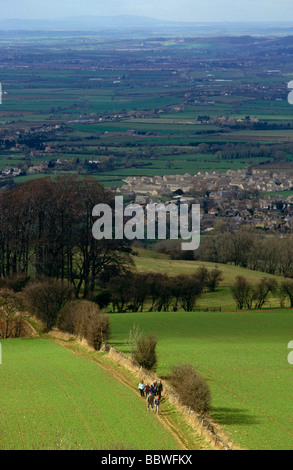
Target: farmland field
243,357
87,97
112,107
53,399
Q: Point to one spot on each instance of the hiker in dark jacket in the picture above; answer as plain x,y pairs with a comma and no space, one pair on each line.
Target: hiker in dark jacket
157,404
150,401
159,389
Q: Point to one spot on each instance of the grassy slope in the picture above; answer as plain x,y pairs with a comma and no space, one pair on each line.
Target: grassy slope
243,356
54,399
148,261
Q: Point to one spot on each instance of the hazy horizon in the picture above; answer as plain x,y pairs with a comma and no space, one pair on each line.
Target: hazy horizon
211,11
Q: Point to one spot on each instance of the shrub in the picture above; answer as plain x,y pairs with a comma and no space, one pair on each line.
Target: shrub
17,283
103,298
45,298
145,352
134,334
191,387
11,324
215,276
84,319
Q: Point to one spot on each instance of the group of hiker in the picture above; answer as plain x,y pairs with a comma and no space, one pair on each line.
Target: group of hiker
152,393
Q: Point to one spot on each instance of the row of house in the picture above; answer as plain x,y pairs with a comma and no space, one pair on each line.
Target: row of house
234,197
215,183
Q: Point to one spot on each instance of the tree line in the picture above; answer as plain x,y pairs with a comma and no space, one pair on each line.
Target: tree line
249,248
159,292
248,296
46,231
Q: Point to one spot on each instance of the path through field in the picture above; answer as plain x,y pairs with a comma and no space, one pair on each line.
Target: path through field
165,417
243,357
63,397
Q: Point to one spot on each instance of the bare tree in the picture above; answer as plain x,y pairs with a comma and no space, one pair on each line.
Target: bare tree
135,333
45,298
262,290
242,293
287,289
215,276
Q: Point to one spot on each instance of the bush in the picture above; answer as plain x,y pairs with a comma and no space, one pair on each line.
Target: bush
145,352
191,387
103,298
45,298
15,283
84,319
11,324
215,276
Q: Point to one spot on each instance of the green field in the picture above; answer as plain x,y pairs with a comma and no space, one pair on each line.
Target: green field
53,399
97,106
243,357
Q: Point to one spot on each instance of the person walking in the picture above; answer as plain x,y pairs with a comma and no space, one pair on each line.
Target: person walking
159,389
157,404
141,388
147,390
152,390
150,401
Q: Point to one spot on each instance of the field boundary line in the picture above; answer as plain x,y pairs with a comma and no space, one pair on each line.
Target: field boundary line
200,423
118,376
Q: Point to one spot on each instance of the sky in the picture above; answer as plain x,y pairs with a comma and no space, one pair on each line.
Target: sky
182,10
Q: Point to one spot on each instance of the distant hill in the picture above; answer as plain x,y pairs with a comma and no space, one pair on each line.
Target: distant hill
83,23
124,22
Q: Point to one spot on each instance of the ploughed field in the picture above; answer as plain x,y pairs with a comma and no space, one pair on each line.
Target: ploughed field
243,357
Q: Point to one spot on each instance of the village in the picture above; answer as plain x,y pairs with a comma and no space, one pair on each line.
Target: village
242,197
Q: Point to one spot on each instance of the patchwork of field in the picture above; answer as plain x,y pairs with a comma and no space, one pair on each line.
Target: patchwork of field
145,107
122,102
243,357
